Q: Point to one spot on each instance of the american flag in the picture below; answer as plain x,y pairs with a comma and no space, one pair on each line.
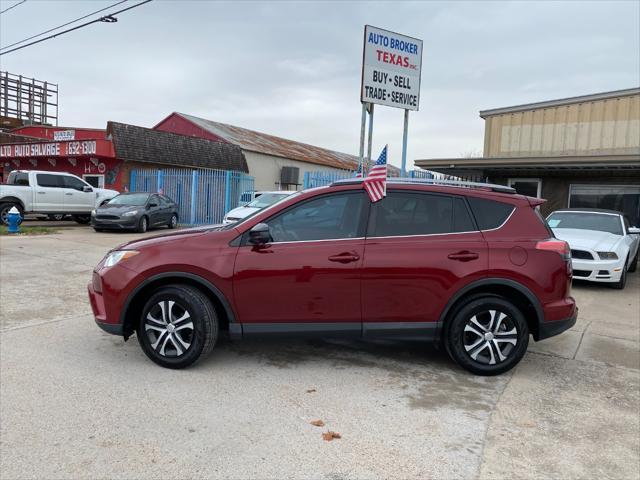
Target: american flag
375,182
359,171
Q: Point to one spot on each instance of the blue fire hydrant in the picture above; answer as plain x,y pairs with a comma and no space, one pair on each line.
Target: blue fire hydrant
14,219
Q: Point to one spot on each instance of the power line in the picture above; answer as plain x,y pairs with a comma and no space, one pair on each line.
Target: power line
63,25
107,18
12,6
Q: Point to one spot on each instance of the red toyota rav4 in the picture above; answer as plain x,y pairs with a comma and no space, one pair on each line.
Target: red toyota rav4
474,267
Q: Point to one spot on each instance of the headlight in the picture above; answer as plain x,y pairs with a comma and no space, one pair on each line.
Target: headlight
607,256
118,256
130,214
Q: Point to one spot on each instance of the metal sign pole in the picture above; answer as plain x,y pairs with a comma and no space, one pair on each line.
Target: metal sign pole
403,171
371,105
362,130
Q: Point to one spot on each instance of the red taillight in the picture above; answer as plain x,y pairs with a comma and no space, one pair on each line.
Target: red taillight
97,283
554,245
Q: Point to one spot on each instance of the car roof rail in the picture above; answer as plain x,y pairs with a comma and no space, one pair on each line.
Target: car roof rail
434,181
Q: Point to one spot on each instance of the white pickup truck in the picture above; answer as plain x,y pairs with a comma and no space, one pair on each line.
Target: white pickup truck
51,193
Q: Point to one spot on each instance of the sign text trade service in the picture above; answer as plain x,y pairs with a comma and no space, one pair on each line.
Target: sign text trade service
391,69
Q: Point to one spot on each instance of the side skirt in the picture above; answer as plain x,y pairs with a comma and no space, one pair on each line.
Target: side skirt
427,331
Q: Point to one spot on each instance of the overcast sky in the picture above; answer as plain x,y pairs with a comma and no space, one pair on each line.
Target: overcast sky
292,69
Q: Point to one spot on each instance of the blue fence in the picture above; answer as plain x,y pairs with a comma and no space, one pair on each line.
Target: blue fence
322,178
203,195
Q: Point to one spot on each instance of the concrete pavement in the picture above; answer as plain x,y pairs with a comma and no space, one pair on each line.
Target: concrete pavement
78,403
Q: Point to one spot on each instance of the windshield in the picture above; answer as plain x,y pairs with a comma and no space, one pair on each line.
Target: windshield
601,222
267,199
136,199
281,199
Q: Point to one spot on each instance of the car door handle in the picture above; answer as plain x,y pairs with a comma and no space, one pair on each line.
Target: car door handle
68,193
345,257
42,193
464,256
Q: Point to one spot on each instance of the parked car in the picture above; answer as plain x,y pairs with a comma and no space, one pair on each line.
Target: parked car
50,193
262,200
604,247
474,268
135,211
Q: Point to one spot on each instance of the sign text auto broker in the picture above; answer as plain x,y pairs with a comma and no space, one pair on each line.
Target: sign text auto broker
391,69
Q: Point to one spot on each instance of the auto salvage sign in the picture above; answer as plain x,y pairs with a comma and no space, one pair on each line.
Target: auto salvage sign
391,69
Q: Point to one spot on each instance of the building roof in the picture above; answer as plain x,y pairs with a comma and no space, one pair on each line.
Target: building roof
6,137
562,101
139,144
271,145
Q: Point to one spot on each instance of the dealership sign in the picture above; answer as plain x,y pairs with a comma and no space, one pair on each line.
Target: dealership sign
61,135
391,69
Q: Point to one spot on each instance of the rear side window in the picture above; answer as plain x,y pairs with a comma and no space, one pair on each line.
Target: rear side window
489,213
19,178
405,213
48,180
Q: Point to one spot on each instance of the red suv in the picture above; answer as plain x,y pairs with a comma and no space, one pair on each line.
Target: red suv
474,267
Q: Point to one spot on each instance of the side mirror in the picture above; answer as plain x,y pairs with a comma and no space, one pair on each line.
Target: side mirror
634,230
259,234
87,189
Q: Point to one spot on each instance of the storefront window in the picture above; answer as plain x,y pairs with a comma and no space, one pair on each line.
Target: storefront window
621,198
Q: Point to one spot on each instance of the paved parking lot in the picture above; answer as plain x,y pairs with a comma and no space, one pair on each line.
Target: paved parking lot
76,402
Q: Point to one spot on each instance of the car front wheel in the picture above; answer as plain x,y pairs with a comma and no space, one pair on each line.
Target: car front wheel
178,326
143,225
173,223
487,336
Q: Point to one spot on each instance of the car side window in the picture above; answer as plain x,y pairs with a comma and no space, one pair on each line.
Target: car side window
154,199
412,213
489,213
49,180
328,217
21,179
165,201
72,182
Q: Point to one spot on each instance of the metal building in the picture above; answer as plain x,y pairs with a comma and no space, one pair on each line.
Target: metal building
575,152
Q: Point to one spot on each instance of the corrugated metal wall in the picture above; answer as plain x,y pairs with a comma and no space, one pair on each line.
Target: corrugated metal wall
607,126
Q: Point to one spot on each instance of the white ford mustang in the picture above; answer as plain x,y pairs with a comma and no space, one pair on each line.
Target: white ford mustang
603,245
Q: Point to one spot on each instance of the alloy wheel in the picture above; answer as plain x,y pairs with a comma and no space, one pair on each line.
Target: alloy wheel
169,328
490,337
174,221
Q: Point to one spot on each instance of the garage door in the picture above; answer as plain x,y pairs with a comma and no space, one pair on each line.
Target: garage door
622,198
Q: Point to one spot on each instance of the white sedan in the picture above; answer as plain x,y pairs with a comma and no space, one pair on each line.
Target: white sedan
603,245
262,200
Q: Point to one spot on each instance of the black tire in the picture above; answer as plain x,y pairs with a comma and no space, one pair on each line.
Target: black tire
633,266
56,217
492,356
173,222
620,284
82,219
168,349
4,212
98,229
143,225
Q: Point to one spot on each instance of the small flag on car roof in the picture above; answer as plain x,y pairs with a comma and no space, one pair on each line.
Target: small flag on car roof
375,182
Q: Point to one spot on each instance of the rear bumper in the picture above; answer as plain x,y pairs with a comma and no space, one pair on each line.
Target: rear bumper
556,327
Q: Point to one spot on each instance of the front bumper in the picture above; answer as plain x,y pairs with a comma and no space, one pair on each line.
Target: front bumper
123,223
597,270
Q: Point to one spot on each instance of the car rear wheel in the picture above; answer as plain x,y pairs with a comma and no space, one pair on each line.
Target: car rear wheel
143,225
178,326
487,336
173,223
82,219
